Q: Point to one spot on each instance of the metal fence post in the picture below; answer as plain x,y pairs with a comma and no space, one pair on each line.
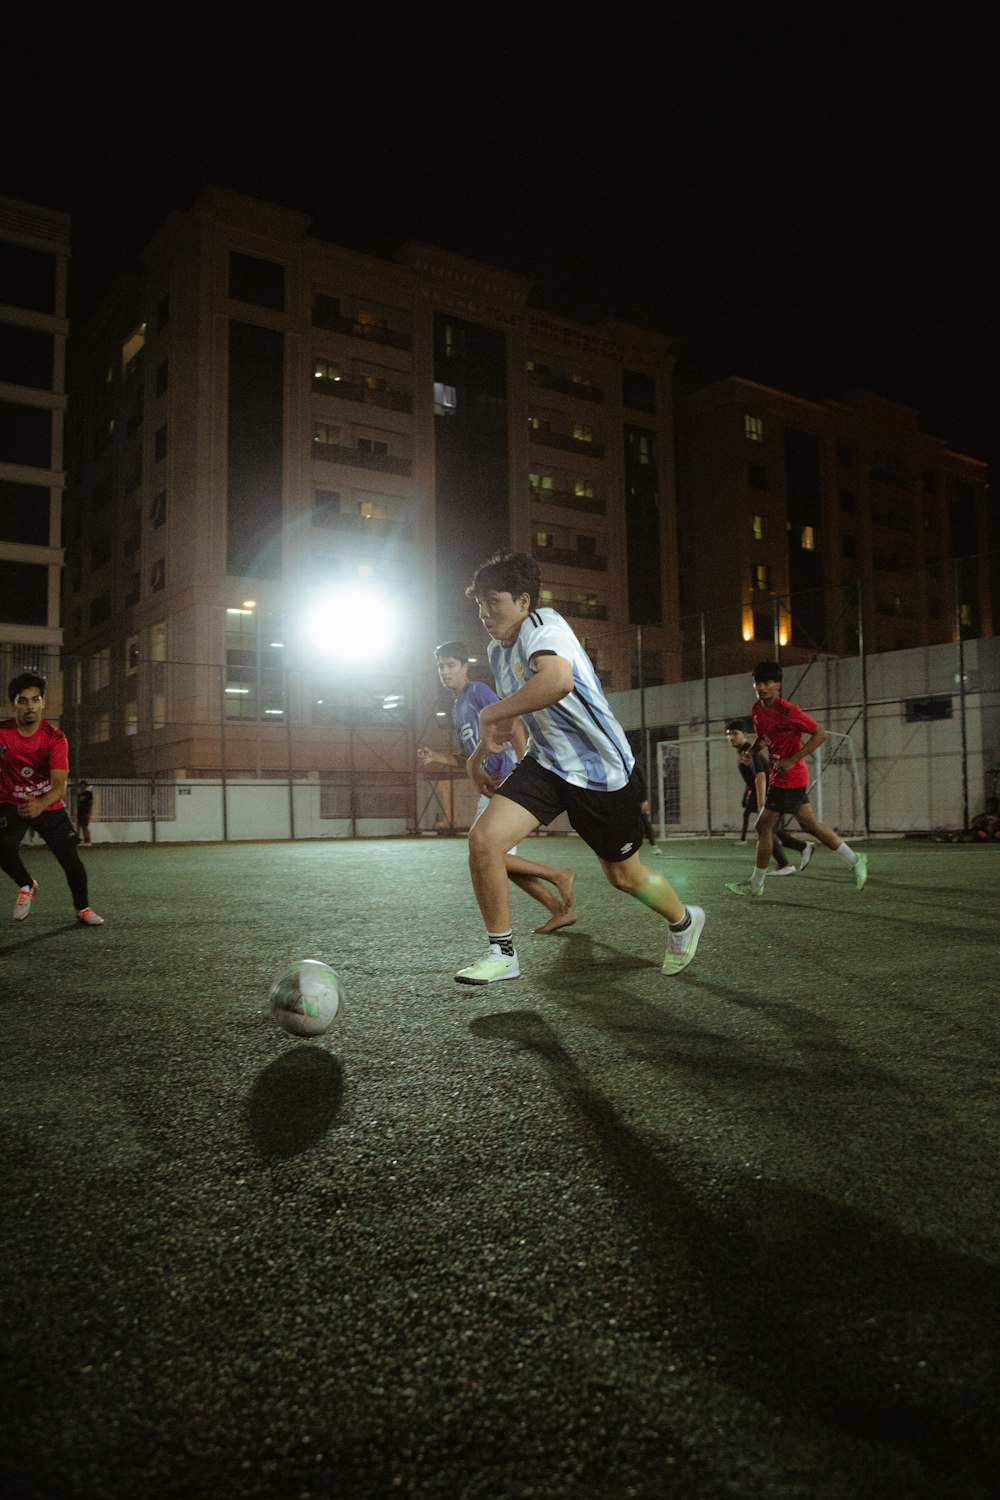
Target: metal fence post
961,692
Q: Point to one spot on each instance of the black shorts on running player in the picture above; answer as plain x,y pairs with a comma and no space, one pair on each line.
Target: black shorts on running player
609,822
786,799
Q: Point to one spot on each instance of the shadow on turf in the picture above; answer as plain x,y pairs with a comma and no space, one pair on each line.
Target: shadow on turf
20,944
813,1307
295,1101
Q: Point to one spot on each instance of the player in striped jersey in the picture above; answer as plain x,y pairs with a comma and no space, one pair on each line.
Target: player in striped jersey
578,762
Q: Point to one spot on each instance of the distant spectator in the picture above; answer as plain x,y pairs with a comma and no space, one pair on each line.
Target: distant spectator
84,808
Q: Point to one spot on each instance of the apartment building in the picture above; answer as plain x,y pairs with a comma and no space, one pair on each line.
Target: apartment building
263,419
34,261
793,510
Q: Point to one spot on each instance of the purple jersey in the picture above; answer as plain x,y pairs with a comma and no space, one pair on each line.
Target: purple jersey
465,717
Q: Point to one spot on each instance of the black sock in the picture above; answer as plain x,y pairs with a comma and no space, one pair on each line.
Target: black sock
683,923
504,941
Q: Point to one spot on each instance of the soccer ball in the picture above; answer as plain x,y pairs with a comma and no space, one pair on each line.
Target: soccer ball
307,998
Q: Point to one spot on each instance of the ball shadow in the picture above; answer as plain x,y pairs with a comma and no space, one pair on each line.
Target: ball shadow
295,1101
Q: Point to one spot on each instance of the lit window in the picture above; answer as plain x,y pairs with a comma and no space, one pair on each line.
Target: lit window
445,400
158,642
372,510
762,576
539,424
132,718
582,488
753,428
326,369
808,539
544,539
133,346
759,533
324,434
583,433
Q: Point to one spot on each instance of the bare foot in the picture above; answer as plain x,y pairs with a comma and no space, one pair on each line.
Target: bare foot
557,920
564,885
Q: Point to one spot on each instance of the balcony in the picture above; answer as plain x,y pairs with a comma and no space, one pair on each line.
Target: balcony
372,333
566,387
570,500
565,557
374,527
565,443
574,610
344,390
358,458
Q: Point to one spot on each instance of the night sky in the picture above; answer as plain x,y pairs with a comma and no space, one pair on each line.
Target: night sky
800,196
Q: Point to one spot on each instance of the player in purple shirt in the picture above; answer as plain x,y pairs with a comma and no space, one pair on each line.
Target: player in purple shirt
470,697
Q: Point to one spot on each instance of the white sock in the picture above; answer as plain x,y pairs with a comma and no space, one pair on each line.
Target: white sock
847,854
757,878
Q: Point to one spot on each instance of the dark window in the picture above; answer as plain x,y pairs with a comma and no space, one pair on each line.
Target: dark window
24,513
25,435
28,278
163,313
102,496
27,356
261,282
929,482
848,546
160,443
757,476
100,550
255,450
846,456
100,609
24,593
326,311
638,391
162,378
763,626
326,508
158,509
926,710
848,501
158,574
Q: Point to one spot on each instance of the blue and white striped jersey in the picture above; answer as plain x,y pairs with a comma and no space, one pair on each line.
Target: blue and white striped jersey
579,737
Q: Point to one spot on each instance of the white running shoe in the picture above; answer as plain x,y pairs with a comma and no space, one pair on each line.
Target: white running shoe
25,896
89,917
494,964
861,871
682,946
785,870
807,855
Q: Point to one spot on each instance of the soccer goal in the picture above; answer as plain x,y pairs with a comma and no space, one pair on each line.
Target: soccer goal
700,789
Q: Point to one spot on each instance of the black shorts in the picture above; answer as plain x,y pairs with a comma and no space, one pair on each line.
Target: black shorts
609,822
786,799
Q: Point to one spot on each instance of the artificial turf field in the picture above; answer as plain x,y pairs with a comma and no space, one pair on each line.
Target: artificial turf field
590,1233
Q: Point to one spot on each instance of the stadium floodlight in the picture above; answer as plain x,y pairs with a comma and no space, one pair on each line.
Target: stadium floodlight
355,625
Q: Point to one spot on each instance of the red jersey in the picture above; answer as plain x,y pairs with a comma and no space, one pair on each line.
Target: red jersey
27,761
782,727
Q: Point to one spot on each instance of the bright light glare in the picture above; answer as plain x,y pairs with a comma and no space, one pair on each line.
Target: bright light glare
352,625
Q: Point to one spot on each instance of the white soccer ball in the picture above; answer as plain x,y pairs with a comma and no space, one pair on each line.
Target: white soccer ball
307,998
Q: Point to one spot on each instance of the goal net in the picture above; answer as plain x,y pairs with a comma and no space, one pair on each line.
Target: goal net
700,789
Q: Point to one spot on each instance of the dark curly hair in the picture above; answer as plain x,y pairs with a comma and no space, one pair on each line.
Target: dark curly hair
513,573
25,680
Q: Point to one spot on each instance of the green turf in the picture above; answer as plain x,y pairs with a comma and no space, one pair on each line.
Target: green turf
592,1233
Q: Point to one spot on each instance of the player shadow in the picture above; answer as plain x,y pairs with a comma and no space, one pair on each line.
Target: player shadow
295,1101
812,1307
20,944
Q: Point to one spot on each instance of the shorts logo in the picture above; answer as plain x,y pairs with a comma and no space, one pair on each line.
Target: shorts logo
626,848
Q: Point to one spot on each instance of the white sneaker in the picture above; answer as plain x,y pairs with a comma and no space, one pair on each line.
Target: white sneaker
494,964
682,946
785,870
25,896
807,855
89,917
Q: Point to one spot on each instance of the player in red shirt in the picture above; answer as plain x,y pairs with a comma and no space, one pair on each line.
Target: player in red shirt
780,726
34,767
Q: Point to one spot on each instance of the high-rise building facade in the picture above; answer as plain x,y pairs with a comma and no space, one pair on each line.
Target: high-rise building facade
807,527
263,418
34,261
